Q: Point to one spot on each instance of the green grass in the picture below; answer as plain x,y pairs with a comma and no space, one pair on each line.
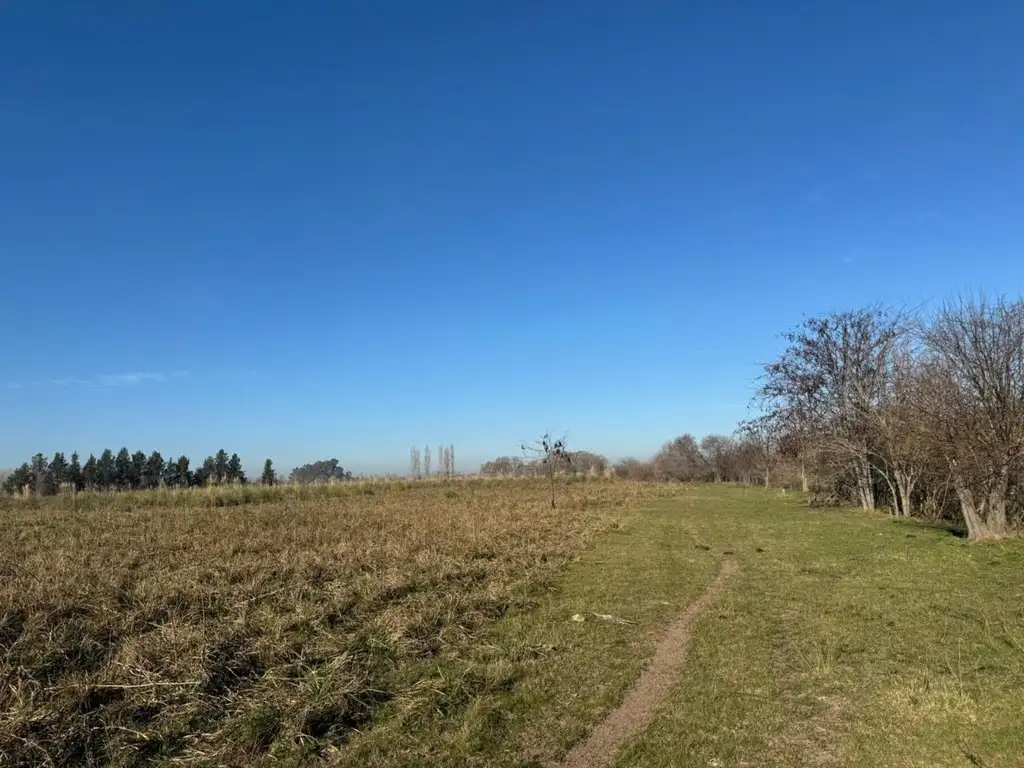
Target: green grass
551,678
414,625
847,639
851,640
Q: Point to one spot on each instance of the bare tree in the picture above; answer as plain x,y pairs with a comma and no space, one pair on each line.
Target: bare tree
718,453
446,461
634,469
899,442
414,461
426,461
680,459
832,374
760,439
587,463
551,455
974,402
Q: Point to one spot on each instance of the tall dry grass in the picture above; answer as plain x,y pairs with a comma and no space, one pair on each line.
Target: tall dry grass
244,625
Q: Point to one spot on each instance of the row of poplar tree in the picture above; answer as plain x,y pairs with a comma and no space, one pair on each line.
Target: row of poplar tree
123,471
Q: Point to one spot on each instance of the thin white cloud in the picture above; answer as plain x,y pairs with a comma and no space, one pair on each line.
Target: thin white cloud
128,379
114,380
13,385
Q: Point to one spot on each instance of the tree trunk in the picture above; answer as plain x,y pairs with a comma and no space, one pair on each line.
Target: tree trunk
996,520
976,528
805,486
892,492
905,483
974,517
865,488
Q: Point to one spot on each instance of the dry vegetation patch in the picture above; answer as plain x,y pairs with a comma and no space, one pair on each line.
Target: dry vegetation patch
247,624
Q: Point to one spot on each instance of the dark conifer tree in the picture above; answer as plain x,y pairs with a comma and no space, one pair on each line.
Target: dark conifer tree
75,474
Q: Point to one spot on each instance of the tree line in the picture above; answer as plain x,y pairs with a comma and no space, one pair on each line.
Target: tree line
922,413
122,471
738,458
919,412
125,471
721,458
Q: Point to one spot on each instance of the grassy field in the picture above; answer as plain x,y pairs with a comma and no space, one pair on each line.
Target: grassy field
433,625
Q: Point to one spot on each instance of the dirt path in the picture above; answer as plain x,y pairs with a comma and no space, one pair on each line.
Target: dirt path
637,708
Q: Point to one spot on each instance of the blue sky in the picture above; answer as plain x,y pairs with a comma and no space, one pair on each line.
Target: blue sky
303,230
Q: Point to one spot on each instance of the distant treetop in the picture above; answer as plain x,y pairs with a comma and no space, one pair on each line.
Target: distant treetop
319,472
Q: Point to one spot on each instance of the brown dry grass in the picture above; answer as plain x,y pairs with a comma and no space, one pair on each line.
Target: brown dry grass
250,625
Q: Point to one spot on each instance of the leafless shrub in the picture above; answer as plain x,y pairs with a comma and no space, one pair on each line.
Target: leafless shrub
551,455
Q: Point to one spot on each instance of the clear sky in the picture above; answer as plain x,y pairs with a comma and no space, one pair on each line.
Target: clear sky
315,229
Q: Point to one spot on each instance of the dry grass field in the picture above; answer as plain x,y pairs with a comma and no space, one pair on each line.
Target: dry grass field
238,625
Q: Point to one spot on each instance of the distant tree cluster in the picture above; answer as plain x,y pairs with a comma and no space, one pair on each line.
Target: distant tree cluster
716,458
319,472
420,464
739,458
121,471
576,463
720,458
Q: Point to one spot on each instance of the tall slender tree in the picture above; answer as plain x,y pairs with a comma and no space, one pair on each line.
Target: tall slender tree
123,470
42,480
90,473
154,472
182,473
58,470
75,474
138,471
235,473
106,470
220,467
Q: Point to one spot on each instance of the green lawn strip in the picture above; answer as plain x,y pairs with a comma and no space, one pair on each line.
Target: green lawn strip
850,640
538,680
